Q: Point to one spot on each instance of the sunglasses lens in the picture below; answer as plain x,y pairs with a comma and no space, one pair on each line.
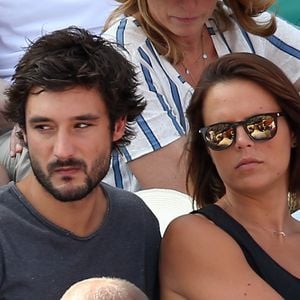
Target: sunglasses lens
261,127
219,136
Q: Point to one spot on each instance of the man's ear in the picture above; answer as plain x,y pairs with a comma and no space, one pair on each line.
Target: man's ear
119,129
24,136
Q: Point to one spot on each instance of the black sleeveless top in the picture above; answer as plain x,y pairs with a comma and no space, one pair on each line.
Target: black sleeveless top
287,285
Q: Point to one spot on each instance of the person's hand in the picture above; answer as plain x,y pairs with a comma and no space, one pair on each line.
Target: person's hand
16,144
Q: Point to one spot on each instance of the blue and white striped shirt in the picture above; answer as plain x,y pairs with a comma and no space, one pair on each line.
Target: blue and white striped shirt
168,95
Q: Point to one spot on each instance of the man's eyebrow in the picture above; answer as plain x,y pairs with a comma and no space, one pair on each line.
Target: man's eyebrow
90,117
34,120
85,117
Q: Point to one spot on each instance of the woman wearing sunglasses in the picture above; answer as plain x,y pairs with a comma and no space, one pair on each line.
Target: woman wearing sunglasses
244,161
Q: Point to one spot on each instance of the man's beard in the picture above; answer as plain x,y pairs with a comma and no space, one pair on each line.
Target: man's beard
98,171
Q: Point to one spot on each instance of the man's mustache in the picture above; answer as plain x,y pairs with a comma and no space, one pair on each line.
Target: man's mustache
75,163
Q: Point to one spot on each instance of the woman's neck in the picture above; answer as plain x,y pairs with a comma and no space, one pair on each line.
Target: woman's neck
268,210
198,52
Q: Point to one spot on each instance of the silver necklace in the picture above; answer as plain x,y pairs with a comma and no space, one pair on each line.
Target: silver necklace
279,233
187,71
203,57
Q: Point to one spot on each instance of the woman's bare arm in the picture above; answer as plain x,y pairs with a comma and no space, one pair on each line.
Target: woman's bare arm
201,261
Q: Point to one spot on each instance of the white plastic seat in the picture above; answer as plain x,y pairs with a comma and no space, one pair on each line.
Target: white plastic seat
166,204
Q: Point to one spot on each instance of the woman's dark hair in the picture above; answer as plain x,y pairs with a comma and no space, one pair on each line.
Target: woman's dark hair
207,184
73,57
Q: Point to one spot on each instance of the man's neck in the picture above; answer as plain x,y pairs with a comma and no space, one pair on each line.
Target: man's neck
82,217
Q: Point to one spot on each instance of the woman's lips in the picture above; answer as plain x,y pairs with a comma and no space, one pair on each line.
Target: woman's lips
247,163
185,20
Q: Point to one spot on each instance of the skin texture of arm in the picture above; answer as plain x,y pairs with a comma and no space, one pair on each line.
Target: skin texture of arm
164,168
206,264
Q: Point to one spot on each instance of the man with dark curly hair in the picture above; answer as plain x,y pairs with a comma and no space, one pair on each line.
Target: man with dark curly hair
74,98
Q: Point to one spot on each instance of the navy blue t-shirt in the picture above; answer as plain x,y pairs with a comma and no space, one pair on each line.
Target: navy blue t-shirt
40,260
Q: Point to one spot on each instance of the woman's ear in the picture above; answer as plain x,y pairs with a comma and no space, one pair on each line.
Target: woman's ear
119,129
209,152
293,140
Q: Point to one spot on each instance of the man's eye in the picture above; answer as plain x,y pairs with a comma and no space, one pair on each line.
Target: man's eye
42,127
82,125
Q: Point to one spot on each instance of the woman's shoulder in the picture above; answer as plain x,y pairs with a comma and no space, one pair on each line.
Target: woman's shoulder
126,32
194,248
200,230
195,231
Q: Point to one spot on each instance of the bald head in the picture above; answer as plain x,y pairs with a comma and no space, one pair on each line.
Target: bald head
104,289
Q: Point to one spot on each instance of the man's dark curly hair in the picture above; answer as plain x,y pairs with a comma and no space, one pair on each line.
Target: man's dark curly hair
73,57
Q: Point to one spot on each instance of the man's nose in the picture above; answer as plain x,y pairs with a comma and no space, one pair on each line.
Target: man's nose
63,145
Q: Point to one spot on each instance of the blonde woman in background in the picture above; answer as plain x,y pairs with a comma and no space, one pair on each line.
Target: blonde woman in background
170,42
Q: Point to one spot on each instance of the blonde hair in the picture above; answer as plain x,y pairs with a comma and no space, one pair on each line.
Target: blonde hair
241,10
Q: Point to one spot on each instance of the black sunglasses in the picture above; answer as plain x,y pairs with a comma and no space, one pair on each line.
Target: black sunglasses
261,127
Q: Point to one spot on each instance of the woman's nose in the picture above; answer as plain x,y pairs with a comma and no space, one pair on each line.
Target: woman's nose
242,139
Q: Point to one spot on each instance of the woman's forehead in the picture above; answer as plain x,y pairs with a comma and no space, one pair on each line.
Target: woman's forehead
235,100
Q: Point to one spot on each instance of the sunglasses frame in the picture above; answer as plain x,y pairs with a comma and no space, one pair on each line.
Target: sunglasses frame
234,125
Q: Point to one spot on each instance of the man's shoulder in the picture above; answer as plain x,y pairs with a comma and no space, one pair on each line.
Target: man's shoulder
125,201
122,197
10,207
6,191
